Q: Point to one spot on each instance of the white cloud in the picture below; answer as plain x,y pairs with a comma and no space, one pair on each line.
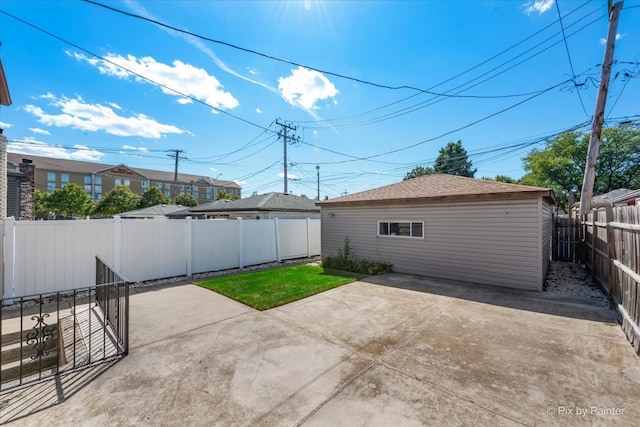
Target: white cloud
131,148
258,110
184,79
213,169
29,145
305,87
47,95
539,6
5,125
78,114
603,41
184,101
40,131
198,44
240,182
289,175
116,106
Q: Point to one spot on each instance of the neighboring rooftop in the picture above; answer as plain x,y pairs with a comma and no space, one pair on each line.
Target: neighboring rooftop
614,196
152,211
263,202
437,188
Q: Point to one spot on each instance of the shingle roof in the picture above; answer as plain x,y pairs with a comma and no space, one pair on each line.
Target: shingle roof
158,210
439,187
262,202
64,165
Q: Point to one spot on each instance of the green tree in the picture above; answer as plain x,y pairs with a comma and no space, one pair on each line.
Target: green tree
42,199
186,199
454,160
153,197
418,171
501,178
120,199
69,201
560,165
223,194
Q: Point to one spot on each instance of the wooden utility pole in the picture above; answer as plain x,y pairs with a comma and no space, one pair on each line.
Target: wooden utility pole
283,134
176,153
598,116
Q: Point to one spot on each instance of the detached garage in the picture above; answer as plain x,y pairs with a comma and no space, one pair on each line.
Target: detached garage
449,227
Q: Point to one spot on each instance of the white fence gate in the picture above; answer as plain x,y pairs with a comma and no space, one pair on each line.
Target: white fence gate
48,256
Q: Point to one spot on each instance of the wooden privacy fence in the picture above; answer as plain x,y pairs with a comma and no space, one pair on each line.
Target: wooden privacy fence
566,241
611,252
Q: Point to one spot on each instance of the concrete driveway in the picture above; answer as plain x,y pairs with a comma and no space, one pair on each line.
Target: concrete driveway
393,350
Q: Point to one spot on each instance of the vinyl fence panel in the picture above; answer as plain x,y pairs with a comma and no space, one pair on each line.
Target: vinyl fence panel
215,245
55,255
258,240
48,256
153,249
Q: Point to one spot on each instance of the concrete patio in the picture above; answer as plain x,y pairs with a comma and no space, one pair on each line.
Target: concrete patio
392,350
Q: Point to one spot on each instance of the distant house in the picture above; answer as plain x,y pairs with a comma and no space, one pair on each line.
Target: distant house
98,179
449,227
264,206
618,197
152,212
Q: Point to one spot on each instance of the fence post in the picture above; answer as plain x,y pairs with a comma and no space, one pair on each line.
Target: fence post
611,253
117,244
554,237
189,245
277,227
308,238
9,259
594,239
240,246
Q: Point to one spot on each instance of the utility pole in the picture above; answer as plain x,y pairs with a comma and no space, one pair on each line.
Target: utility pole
283,134
318,169
176,154
598,116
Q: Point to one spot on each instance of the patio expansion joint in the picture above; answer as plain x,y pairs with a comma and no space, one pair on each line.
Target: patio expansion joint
375,361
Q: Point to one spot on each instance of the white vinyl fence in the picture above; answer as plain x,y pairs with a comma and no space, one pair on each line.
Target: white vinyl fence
48,256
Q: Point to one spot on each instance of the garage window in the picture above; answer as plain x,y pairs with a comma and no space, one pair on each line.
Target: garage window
412,229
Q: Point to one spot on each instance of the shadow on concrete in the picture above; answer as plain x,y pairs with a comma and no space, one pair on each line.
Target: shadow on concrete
16,404
572,306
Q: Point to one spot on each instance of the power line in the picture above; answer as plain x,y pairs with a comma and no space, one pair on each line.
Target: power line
134,73
286,61
566,45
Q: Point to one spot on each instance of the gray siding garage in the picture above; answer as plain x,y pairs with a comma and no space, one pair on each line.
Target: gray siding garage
448,227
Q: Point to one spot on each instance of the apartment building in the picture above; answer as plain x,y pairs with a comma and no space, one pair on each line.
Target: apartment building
98,179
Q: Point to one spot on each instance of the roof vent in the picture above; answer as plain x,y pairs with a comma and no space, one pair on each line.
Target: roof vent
27,161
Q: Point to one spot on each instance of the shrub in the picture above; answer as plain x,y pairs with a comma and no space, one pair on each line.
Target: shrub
344,261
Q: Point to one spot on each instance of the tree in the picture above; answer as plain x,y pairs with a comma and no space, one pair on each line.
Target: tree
454,160
42,210
501,178
186,199
120,199
69,201
153,197
418,171
222,194
560,165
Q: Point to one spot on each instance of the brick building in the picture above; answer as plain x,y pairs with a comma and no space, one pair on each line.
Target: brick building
98,179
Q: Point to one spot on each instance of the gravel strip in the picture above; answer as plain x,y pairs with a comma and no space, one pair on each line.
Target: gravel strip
567,279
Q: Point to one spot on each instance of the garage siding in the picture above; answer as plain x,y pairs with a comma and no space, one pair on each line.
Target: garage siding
547,230
496,243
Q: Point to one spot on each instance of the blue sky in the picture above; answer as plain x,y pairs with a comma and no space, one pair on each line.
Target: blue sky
111,88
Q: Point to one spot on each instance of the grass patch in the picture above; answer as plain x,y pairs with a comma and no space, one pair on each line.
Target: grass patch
271,288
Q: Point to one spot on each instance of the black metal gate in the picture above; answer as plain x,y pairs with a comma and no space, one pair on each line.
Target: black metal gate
53,333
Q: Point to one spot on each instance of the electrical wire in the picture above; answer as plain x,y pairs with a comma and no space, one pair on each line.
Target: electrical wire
566,45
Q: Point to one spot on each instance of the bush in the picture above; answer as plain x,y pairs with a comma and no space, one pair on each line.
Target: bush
344,261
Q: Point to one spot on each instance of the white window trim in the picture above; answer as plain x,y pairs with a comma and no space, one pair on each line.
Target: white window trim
395,236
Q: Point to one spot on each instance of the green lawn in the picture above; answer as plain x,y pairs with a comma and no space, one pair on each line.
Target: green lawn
271,288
